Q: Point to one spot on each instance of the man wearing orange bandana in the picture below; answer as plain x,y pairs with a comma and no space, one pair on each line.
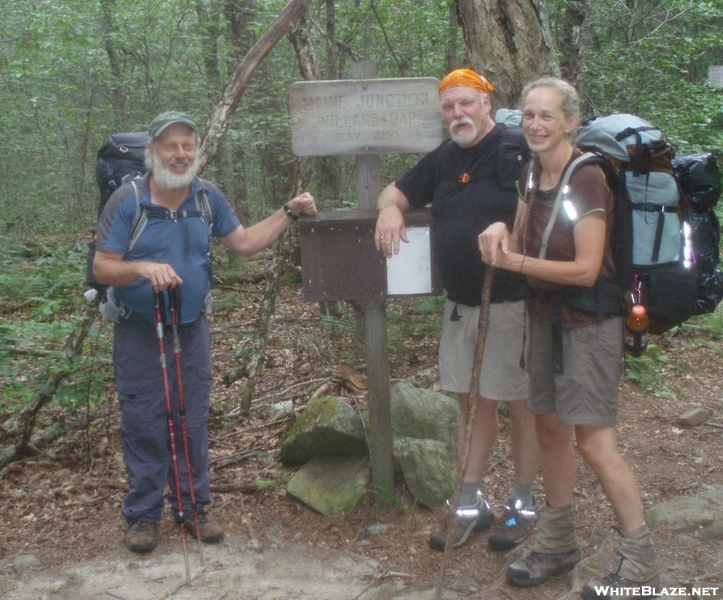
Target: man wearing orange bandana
469,180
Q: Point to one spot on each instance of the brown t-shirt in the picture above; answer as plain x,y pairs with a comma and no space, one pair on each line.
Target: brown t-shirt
588,193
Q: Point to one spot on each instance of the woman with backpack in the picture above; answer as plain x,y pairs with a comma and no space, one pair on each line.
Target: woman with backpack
574,352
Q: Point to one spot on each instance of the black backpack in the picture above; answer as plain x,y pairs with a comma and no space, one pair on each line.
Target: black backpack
700,187
120,159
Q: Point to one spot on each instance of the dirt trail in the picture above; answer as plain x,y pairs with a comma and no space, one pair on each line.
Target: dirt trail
233,571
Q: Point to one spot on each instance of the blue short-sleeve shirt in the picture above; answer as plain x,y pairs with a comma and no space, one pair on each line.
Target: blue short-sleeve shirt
181,242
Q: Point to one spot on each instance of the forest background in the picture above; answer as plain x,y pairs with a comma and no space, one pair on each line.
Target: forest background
72,72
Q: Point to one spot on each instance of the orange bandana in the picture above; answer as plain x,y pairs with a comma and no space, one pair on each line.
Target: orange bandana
465,78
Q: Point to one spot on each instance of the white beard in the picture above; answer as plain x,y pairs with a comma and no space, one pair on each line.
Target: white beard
167,180
463,139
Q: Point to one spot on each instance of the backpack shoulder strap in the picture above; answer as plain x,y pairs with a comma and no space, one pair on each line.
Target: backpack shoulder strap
204,207
140,220
562,191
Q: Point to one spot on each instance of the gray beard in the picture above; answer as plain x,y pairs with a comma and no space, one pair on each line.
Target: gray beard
461,138
167,180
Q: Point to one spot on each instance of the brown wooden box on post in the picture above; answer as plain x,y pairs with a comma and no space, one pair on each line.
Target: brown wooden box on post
339,260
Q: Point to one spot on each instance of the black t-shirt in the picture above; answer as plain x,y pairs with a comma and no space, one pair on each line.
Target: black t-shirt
469,189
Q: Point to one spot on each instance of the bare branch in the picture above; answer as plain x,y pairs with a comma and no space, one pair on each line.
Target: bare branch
233,92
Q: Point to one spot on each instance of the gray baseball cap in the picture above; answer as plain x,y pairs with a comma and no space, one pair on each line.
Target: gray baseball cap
162,121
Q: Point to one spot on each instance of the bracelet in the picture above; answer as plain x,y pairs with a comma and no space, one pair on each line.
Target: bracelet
522,264
289,213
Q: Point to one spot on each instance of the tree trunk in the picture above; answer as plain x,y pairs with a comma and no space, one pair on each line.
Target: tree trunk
120,96
451,59
509,42
209,30
239,15
330,72
570,41
217,122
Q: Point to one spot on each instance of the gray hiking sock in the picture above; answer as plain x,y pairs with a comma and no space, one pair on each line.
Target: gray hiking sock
469,494
522,495
556,531
637,555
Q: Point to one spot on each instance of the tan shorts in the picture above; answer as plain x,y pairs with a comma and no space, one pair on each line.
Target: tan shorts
586,393
502,376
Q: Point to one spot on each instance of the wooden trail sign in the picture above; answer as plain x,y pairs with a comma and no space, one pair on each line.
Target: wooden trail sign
365,116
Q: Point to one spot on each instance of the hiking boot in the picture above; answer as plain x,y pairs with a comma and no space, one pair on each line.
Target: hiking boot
637,574
141,536
476,517
614,586
211,530
536,567
514,528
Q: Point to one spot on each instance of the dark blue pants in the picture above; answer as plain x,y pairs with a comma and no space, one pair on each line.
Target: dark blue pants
144,426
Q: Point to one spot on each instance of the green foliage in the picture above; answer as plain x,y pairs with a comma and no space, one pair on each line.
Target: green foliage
651,59
73,72
44,290
415,319
266,484
31,353
710,325
39,278
649,372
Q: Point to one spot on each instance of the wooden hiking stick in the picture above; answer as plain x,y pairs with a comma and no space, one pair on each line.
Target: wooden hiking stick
484,320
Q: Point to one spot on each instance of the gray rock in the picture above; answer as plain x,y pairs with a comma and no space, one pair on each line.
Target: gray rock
328,427
379,528
427,468
278,410
689,515
330,485
25,561
693,417
426,378
713,531
424,414
386,591
425,593
714,493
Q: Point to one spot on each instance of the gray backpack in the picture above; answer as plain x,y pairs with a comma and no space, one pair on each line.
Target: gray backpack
648,239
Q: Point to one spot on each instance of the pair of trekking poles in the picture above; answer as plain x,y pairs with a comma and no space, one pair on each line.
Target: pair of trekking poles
174,308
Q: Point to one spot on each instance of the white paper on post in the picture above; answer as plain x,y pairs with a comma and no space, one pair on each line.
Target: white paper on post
410,271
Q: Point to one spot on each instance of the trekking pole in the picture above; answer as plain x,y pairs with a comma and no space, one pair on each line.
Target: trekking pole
175,308
158,305
484,320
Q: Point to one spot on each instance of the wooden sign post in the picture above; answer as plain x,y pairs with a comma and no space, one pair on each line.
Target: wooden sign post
366,117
